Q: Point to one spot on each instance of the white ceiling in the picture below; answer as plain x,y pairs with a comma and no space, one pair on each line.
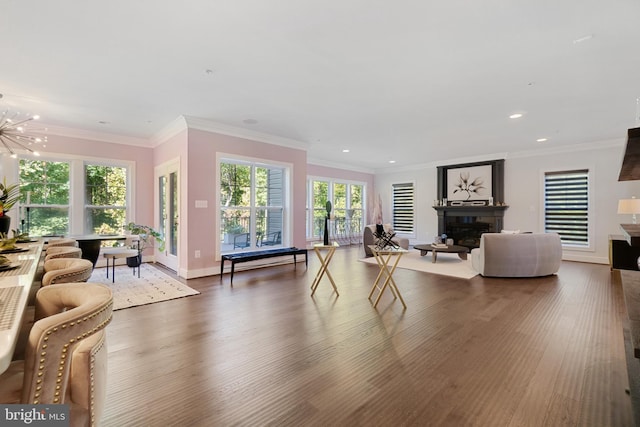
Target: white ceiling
411,81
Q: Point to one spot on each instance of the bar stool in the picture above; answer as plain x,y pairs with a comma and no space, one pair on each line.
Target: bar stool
62,252
62,242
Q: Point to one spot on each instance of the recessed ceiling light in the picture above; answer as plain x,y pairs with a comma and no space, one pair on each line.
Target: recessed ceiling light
541,140
583,39
392,161
346,150
515,116
103,122
250,121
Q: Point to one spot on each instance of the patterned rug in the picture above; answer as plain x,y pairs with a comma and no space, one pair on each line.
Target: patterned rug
446,265
152,286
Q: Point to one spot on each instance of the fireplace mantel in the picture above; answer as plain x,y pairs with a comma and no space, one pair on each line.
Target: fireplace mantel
467,233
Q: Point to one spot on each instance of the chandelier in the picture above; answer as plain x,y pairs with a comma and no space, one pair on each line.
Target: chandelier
15,133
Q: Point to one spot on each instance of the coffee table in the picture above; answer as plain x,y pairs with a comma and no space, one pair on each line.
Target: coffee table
451,249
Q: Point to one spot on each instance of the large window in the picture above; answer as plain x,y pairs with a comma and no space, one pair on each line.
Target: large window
72,197
252,205
566,206
347,200
44,197
105,199
403,207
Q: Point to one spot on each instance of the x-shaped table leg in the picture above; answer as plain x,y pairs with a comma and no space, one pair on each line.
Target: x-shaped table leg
324,267
383,262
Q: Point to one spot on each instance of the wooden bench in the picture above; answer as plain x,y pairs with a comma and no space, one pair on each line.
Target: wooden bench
255,255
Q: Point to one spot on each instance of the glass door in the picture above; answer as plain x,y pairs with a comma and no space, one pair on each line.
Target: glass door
167,215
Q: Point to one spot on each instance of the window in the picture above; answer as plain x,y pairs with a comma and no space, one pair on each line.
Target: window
347,209
105,199
54,202
252,201
403,207
44,197
566,206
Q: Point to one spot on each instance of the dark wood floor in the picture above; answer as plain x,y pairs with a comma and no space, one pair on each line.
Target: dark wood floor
484,352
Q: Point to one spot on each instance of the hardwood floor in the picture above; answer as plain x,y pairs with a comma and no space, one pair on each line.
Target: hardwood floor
483,352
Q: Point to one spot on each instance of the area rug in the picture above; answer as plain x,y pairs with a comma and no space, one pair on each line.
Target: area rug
446,265
152,286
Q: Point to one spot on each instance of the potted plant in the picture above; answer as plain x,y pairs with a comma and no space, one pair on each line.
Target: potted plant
148,238
9,196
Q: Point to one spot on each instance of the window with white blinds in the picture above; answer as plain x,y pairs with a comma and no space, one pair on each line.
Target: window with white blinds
566,206
403,207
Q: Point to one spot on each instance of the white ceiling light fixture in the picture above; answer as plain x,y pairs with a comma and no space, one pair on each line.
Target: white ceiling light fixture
541,140
15,132
515,116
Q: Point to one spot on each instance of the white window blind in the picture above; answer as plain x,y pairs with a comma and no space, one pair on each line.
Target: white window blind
403,207
566,206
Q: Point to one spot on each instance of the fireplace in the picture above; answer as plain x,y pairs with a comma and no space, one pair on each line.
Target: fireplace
465,224
465,212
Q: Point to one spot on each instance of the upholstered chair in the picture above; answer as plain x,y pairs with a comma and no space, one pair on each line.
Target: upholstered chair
62,242
62,252
66,337
65,270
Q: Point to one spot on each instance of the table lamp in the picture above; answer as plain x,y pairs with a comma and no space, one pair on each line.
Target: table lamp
629,206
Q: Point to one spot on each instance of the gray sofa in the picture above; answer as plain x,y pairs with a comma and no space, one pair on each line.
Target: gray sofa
517,255
369,239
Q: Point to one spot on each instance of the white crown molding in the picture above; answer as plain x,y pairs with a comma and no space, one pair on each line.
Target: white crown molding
94,136
335,165
588,146
215,127
169,131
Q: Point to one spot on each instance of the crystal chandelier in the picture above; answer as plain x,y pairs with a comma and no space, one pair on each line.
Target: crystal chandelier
15,133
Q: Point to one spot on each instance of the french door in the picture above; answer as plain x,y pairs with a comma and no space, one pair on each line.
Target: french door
167,212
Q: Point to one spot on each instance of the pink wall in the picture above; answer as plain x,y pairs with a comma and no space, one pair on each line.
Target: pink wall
202,181
197,150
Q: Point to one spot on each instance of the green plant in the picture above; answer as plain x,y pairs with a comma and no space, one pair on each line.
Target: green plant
148,236
234,229
9,196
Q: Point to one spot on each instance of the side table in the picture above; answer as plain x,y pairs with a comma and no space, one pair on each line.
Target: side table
324,253
384,259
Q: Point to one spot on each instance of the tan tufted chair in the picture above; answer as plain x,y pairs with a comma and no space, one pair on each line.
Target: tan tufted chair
62,242
62,252
65,270
70,319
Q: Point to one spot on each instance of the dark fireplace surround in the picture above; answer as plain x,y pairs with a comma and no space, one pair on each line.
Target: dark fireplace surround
465,224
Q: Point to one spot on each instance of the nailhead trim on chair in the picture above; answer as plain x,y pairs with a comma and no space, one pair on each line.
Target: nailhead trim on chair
63,356
74,273
92,397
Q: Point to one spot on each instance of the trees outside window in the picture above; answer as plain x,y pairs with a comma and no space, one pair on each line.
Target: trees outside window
105,199
347,208
53,203
44,197
252,201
